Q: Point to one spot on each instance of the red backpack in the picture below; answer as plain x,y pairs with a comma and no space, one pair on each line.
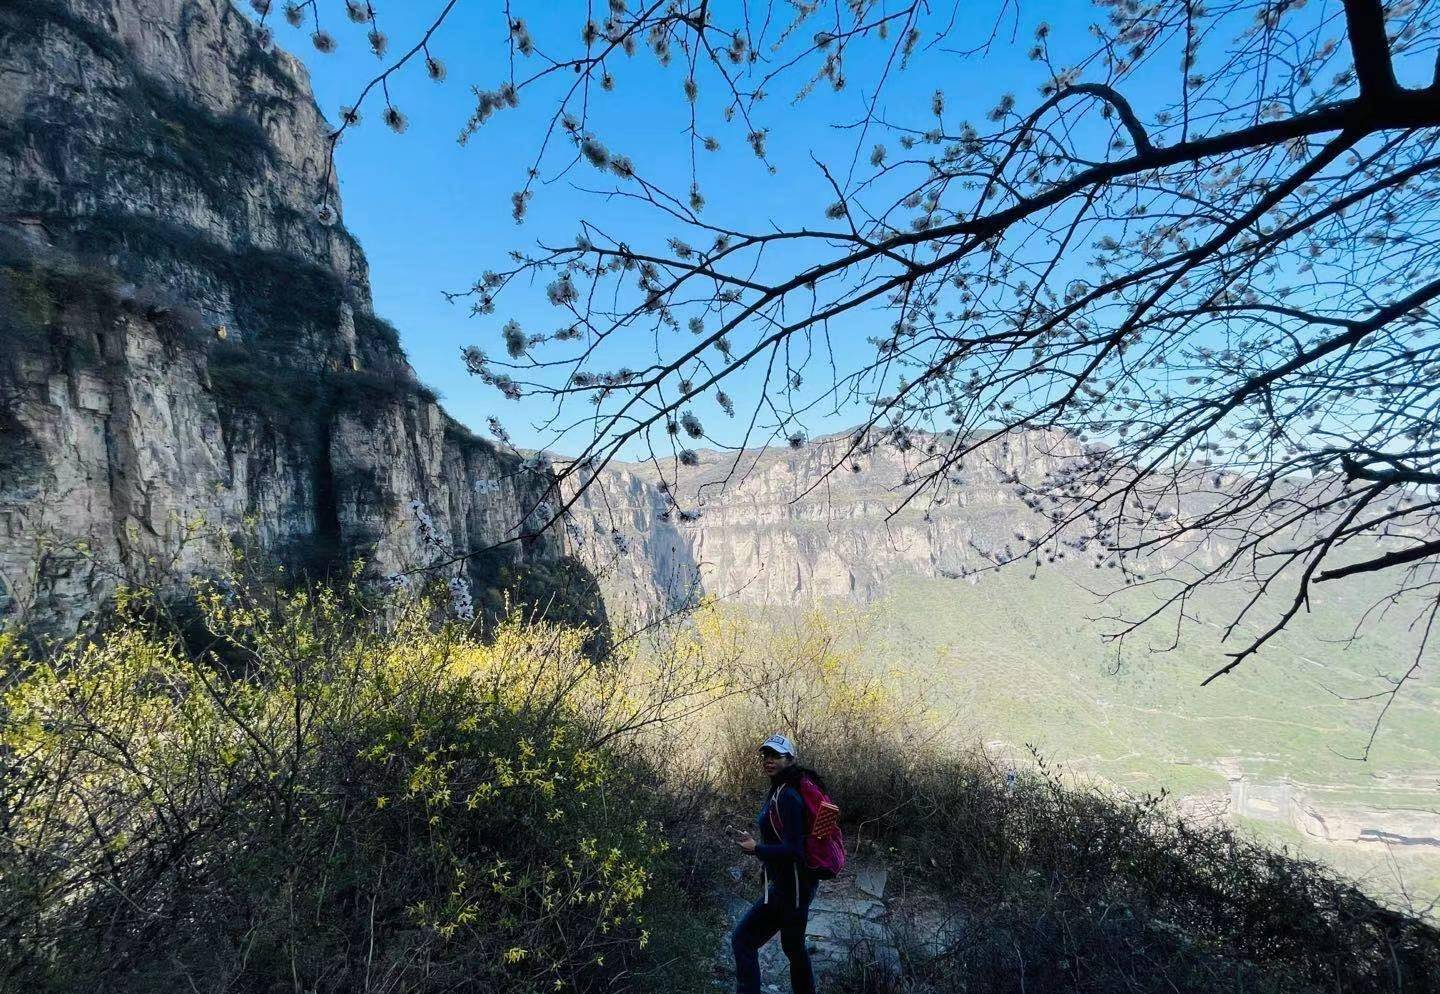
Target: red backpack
824,844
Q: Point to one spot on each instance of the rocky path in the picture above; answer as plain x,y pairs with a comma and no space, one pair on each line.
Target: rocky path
857,921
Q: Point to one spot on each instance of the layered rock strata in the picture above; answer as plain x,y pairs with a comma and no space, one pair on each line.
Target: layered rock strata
186,351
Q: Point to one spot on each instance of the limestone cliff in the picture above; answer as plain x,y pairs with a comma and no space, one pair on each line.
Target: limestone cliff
185,350
784,526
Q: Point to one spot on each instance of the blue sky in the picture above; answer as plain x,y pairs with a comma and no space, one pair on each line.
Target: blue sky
433,215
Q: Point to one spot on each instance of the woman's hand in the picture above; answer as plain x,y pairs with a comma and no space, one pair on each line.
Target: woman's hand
746,843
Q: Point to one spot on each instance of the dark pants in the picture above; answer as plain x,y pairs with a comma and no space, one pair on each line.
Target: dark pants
760,923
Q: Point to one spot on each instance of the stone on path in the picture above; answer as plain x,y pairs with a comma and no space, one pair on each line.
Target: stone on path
851,921
871,879
864,907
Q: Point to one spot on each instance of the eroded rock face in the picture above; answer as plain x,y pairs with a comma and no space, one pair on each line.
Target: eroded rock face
628,535
186,351
783,526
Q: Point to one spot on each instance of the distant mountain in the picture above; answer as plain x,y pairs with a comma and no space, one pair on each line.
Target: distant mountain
781,525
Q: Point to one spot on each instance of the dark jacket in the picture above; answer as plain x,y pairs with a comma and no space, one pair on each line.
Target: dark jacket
782,853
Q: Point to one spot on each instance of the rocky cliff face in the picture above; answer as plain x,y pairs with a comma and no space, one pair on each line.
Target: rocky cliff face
784,526
185,350
642,555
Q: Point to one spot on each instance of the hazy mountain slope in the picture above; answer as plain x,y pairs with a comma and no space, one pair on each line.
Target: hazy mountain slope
1013,661
784,526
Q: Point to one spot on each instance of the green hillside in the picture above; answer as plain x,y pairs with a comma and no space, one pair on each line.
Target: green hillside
1012,661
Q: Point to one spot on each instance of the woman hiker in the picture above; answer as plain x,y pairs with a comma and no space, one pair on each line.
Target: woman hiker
789,886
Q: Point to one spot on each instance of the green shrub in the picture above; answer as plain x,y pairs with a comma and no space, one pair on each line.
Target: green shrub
276,291
13,140
156,126
27,307
25,469
26,21
562,591
362,391
377,334
282,393
287,792
257,59
173,130
301,397
1070,888
296,797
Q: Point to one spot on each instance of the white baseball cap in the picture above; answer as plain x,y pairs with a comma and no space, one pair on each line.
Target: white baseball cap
779,743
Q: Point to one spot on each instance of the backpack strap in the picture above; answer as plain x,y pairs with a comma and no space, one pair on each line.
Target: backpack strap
774,808
776,825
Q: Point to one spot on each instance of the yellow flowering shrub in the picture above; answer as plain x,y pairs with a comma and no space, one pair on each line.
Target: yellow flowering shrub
296,795
803,674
